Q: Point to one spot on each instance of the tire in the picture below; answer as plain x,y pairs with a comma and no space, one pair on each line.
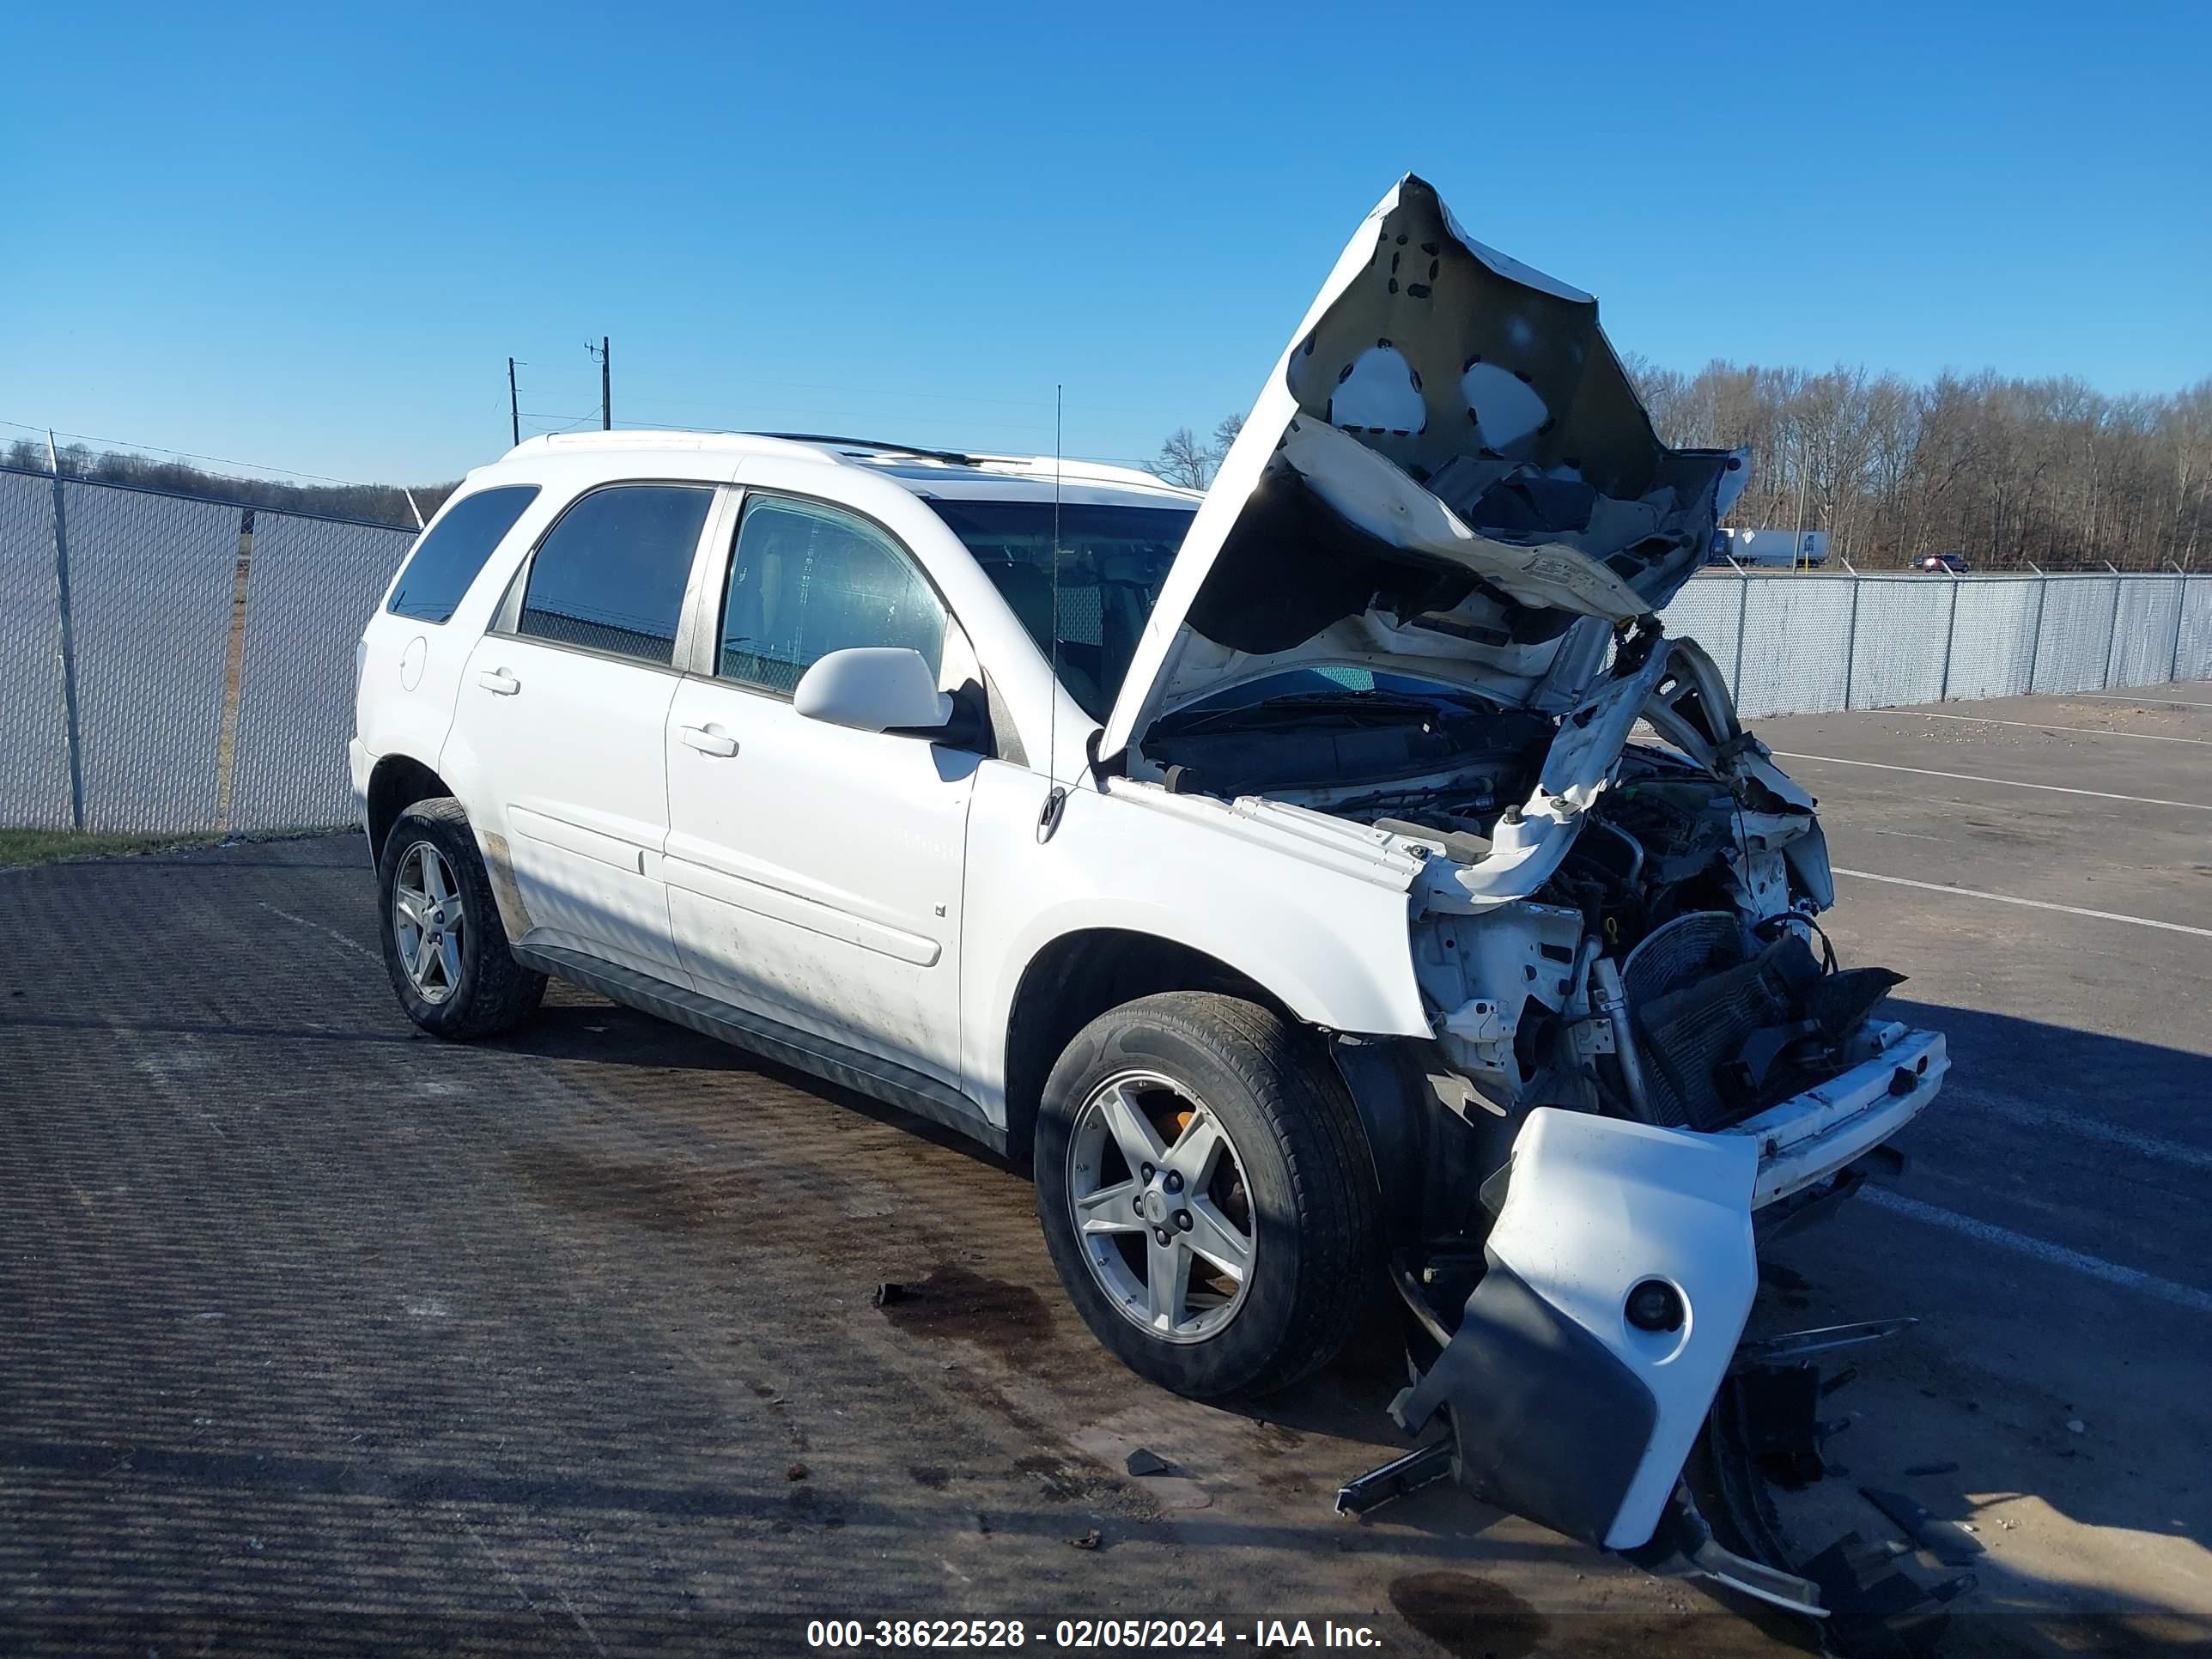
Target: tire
1309,1203
492,991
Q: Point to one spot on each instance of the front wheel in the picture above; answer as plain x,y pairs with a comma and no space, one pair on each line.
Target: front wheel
1206,1193
444,946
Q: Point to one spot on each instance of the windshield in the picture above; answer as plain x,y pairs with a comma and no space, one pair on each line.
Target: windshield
1112,561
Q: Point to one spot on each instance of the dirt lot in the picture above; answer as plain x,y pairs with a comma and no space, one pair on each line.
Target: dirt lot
320,1337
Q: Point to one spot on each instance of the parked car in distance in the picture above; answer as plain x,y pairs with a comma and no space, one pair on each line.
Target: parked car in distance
1936,563
1274,874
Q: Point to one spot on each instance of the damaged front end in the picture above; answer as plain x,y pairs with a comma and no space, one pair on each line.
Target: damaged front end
1645,1055
1421,596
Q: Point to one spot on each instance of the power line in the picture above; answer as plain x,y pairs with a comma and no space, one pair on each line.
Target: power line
184,454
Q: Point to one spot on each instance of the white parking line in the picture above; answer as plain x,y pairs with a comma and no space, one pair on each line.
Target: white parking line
354,945
2184,1296
2047,725
2009,783
2084,1126
2032,904
2117,696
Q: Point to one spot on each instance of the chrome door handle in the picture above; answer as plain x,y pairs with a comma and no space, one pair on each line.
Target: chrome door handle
498,681
707,740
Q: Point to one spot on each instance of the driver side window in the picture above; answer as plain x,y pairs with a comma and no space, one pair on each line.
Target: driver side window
806,580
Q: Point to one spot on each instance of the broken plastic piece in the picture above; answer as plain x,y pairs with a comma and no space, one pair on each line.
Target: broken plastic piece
1943,1539
1877,1612
1683,1547
1395,1479
1802,1345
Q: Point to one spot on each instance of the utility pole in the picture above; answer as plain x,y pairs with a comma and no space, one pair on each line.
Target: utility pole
606,386
513,409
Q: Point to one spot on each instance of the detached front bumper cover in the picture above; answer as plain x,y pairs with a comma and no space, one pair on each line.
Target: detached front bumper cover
1619,1272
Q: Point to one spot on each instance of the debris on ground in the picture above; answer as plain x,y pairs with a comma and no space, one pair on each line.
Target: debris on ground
2076,1425
796,1472
1874,1610
1933,1468
889,1291
1089,1540
1142,1461
1943,1539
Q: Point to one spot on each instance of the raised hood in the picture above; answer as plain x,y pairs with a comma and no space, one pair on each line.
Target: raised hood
1447,470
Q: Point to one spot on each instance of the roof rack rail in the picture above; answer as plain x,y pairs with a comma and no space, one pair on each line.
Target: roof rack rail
951,455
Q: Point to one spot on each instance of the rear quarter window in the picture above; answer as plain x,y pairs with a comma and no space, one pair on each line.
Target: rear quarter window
447,558
611,575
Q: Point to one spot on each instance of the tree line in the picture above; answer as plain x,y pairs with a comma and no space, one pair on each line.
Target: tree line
2006,470
377,504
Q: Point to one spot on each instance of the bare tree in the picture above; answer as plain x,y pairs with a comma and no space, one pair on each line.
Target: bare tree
1184,460
2006,470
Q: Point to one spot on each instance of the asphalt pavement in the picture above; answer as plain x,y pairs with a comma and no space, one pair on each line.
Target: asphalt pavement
323,1337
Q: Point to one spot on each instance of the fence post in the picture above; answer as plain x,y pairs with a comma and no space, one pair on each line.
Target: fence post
1742,610
2180,610
2035,640
1851,636
67,642
233,671
2111,640
1950,631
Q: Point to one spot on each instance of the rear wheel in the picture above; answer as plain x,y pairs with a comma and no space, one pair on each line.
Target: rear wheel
444,946
1206,1193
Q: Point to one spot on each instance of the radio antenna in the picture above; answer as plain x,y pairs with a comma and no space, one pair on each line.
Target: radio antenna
1055,794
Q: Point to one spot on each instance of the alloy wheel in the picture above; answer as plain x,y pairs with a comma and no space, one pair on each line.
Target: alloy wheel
427,922
1161,1205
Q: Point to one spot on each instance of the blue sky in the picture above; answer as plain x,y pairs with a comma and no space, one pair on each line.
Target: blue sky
309,237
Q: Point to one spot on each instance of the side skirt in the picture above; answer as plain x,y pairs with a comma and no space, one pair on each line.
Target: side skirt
864,1074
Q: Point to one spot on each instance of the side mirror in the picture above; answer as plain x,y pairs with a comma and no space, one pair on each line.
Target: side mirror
874,688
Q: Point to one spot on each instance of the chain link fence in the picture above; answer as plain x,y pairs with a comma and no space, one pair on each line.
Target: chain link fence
169,664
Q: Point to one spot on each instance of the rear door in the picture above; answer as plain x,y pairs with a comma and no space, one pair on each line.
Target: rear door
565,704
814,872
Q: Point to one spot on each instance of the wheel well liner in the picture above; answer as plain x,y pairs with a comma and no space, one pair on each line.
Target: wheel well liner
398,782
1078,976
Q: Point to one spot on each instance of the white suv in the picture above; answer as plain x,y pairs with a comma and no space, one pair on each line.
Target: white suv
1272,871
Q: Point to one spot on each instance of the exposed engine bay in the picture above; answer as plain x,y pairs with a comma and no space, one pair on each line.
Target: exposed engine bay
1662,963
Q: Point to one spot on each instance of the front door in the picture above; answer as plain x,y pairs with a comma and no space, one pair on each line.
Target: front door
814,872
564,705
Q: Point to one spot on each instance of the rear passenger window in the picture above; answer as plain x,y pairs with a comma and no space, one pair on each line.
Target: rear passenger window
806,581
611,575
447,560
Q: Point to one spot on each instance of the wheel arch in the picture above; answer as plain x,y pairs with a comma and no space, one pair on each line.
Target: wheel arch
396,784
1080,974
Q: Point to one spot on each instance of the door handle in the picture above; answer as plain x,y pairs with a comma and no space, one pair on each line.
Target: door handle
707,740
498,681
